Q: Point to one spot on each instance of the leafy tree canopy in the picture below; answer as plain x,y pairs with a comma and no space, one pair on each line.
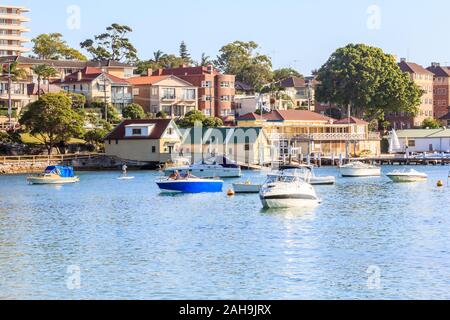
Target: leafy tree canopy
113,44
431,123
133,111
189,120
240,58
284,73
51,46
184,53
368,80
52,120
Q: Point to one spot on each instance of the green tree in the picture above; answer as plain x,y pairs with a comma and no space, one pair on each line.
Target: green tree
367,80
133,111
112,114
44,72
205,60
184,53
189,120
51,46
284,73
113,44
52,120
78,100
161,115
95,137
17,73
431,123
241,59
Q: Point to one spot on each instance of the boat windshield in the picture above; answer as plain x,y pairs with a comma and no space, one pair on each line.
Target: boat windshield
219,160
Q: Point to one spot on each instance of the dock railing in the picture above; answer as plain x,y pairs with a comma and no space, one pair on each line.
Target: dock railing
30,159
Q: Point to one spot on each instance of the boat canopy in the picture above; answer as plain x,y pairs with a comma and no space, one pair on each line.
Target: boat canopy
223,161
64,172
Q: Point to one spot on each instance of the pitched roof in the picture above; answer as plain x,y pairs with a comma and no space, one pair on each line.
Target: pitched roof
440,71
353,120
241,86
150,80
287,115
412,67
423,133
119,132
89,74
292,82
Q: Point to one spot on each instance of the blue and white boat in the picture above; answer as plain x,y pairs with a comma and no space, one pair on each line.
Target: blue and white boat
190,185
55,175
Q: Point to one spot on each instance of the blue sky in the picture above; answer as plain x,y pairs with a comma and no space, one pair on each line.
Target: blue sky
297,33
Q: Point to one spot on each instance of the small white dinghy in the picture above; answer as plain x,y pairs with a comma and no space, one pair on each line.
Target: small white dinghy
407,176
125,178
246,187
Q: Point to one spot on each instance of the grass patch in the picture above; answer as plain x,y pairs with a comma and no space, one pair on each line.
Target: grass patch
29,139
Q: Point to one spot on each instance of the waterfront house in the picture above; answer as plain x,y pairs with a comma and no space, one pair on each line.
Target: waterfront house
168,94
424,140
248,145
148,141
97,85
302,132
441,89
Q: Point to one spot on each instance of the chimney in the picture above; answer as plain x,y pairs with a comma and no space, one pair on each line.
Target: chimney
210,69
184,65
435,64
149,72
402,59
79,75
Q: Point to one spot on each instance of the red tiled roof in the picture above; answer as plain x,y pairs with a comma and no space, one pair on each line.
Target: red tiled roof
353,120
287,115
119,132
147,80
412,67
89,74
292,82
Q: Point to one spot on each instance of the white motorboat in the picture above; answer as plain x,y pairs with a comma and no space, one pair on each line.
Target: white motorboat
360,169
218,167
307,172
55,175
246,187
289,190
407,176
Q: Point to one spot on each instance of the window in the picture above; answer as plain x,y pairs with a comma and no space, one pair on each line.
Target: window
153,149
137,132
207,98
206,84
170,131
225,84
247,147
168,93
411,143
224,98
189,94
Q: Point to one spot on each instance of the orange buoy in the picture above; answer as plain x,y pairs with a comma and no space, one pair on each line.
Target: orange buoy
230,192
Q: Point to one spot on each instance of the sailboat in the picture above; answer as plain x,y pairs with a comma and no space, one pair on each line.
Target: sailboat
394,143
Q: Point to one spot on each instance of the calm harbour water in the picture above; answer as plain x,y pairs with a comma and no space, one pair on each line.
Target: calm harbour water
131,242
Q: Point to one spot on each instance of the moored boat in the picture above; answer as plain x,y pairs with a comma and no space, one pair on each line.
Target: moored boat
218,167
55,175
307,172
407,176
246,187
289,190
360,169
190,184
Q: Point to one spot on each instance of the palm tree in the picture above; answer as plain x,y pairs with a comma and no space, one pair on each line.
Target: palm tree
158,56
16,73
44,72
205,60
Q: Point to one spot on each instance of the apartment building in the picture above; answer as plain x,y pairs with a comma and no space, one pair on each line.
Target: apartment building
97,85
216,91
12,29
441,89
424,79
169,94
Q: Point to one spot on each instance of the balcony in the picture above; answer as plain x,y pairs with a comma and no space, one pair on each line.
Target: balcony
122,98
14,16
374,136
14,37
14,48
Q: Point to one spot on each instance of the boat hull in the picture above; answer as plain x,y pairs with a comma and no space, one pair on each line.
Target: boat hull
406,178
246,188
40,180
207,173
360,172
290,201
315,181
191,186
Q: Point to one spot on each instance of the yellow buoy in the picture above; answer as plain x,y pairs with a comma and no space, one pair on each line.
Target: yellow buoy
230,192
440,183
